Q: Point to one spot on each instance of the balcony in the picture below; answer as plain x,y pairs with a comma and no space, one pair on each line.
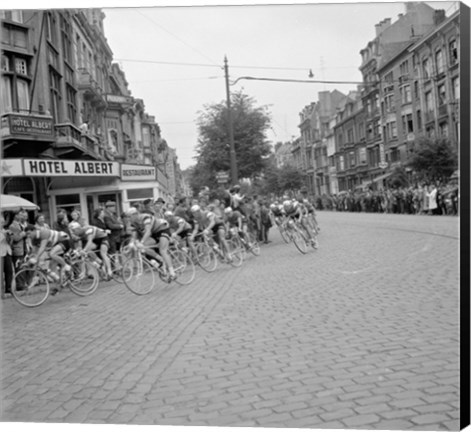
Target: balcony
69,136
92,90
442,110
429,116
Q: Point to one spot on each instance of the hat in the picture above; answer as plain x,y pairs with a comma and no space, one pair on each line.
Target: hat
131,211
110,203
159,200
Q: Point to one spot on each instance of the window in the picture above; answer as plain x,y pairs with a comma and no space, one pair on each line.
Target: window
55,94
51,28
352,159
456,88
416,91
428,101
419,120
12,15
393,129
71,105
453,51
388,78
407,124
350,136
66,42
444,130
361,130
439,62
362,155
15,83
341,162
20,66
404,68
405,94
426,68
441,94
377,128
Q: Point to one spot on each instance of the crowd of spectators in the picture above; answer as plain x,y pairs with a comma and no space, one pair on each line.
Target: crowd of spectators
431,199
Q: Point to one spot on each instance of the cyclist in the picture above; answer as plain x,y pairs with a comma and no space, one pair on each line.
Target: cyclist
57,242
277,213
179,227
208,222
311,213
147,227
93,238
235,219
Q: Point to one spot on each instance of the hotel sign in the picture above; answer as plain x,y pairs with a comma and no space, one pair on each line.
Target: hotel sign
58,168
137,172
29,125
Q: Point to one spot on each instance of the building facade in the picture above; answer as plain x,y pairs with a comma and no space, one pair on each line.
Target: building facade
72,135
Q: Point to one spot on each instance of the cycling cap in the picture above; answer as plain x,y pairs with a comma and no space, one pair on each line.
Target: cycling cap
287,203
168,213
195,208
227,210
131,211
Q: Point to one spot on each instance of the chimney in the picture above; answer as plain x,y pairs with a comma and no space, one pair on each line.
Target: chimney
438,16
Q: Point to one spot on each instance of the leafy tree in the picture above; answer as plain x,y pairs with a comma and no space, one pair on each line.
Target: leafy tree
280,180
250,124
398,178
434,159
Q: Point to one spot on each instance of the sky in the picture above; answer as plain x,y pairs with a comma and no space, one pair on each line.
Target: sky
173,56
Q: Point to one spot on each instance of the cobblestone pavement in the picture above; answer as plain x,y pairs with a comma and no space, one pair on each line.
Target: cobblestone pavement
362,333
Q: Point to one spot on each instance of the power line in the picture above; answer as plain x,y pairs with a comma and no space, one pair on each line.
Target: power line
178,38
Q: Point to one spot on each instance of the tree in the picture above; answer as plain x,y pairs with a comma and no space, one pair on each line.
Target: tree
281,180
250,124
398,178
434,159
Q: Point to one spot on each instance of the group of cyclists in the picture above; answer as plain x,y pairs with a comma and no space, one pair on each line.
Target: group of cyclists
153,226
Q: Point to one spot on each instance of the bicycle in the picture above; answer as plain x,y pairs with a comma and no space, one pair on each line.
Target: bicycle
251,245
31,284
295,235
234,255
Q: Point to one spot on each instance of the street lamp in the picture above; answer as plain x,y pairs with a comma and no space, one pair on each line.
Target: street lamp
234,175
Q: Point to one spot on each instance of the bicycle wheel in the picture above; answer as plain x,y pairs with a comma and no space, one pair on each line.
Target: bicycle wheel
284,235
183,266
138,275
254,245
206,258
30,287
299,241
236,252
83,278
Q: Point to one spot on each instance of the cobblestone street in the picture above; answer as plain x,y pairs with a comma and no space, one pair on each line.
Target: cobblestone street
362,333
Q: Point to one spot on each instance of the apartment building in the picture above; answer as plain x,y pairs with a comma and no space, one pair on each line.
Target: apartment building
72,134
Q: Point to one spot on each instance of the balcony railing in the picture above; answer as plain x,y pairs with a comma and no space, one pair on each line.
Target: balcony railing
69,134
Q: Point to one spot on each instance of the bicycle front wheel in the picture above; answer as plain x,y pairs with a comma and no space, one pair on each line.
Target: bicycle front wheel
83,278
183,266
236,253
30,288
206,257
299,241
138,276
254,245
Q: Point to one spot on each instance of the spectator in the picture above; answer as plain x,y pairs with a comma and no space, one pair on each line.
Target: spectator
6,258
114,225
40,221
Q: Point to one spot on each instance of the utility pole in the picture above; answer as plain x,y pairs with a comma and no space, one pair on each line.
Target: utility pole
234,176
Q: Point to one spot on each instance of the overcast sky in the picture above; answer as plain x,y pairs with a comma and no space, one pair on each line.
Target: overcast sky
279,41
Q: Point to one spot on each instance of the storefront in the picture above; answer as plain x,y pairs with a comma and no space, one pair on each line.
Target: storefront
83,185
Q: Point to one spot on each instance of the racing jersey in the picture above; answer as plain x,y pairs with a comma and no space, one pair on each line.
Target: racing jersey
293,210
94,232
53,237
175,222
205,218
277,211
144,220
233,219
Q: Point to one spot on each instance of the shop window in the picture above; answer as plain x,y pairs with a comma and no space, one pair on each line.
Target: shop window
68,202
140,194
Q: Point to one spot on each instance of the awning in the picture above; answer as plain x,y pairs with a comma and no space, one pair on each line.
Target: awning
381,177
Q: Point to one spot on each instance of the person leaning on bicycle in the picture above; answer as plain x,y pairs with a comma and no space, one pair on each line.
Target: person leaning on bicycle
208,222
235,219
56,242
94,238
149,230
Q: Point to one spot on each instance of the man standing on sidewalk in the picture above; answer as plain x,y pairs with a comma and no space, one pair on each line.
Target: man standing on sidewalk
114,225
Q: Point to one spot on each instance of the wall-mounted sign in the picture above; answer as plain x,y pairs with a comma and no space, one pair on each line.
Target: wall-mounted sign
11,167
29,125
54,168
118,99
137,172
